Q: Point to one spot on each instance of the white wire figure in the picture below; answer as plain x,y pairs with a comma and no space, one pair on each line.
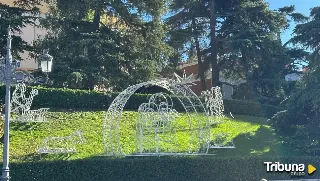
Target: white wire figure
154,118
21,105
215,109
33,116
57,145
184,80
214,104
154,125
19,102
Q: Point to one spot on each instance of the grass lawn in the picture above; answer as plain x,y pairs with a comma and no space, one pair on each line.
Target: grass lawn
251,135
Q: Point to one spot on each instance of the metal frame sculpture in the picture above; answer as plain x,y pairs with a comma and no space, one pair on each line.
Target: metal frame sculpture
155,126
19,102
58,145
33,116
214,104
215,109
21,105
180,88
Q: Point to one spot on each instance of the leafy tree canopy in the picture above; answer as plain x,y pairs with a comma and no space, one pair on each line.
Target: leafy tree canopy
107,39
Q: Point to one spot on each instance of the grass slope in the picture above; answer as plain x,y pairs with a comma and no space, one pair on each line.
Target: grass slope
251,135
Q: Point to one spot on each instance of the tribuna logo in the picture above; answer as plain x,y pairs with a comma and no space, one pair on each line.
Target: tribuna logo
293,169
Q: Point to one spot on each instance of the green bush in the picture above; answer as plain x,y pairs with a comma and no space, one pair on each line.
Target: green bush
153,168
274,88
62,98
249,108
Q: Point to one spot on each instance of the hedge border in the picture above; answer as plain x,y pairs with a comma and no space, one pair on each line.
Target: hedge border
163,168
63,98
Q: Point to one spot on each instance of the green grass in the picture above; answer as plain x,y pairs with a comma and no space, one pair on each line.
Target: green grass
251,135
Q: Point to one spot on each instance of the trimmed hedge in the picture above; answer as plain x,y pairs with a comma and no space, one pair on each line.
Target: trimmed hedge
153,168
81,99
249,108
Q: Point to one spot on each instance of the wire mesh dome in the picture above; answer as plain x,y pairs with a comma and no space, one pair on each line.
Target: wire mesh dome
159,127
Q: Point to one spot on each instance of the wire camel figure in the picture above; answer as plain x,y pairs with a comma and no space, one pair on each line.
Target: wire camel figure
66,144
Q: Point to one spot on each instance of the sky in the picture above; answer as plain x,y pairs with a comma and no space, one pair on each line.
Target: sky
302,6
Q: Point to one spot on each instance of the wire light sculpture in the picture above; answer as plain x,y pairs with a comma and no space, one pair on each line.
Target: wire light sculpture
33,116
199,128
214,104
59,145
20,104
215,110
155,126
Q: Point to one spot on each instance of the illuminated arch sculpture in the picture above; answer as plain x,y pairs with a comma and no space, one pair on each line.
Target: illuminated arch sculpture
199,128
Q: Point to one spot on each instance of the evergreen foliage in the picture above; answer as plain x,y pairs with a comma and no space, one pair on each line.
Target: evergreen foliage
106,40
300,122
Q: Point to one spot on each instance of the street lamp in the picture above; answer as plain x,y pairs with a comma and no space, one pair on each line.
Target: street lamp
46,63
7,75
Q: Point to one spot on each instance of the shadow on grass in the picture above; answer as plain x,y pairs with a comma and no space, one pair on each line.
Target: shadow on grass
35,157
262,142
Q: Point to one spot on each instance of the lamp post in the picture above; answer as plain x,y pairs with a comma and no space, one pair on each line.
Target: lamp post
8,73
46,63
9,69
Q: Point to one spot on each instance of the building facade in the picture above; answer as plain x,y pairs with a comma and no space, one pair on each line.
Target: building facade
226,88
30,33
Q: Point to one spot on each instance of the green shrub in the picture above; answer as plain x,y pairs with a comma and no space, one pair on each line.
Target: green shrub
81,99
275,95
249,108
153,168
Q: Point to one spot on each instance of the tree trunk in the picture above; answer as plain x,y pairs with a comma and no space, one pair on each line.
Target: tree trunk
91,49
214,47
96,19
245,64
200,65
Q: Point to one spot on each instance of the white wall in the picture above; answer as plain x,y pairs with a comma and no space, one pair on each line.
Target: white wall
29,34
